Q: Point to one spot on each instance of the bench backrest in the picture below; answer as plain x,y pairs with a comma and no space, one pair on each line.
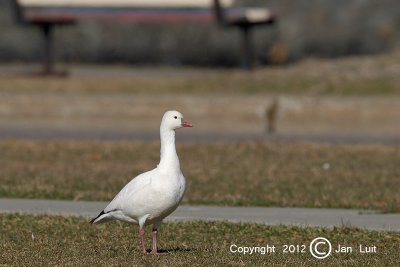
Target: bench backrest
69,11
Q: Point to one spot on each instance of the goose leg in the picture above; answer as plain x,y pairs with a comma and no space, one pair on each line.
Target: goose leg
154,235
154,245
141,233
141,223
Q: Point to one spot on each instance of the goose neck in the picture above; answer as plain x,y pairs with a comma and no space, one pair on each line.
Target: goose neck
169,160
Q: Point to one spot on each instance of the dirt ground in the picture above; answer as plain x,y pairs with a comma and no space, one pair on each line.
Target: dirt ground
216,113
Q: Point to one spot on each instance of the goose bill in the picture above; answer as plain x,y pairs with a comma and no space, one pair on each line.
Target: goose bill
186,123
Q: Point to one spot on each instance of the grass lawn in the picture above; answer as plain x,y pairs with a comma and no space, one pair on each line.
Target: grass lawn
297,175
56,241
368,75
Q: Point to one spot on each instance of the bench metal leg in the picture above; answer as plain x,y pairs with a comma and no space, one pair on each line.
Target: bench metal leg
247,48
48,60
48,56
48,50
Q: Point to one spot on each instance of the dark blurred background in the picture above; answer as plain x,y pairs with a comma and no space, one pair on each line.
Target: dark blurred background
321,28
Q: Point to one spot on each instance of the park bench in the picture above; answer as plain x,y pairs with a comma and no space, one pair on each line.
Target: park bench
48,13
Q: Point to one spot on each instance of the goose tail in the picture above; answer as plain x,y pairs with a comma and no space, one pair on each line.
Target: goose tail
101,218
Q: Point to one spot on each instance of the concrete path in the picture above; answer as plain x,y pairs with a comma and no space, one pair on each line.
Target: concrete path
270,216
111,135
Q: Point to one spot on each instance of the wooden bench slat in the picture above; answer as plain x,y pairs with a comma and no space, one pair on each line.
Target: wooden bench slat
37,15
66,11
71,14
123,3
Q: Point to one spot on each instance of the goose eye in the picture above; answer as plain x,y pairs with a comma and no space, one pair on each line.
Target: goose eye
175,117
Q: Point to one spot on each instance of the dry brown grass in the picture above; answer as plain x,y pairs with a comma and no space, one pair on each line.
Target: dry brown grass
57,241
301,175
368,75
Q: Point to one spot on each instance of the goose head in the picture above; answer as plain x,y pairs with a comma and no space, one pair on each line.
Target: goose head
173,120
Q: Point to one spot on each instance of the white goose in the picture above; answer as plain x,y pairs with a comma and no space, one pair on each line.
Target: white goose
151,196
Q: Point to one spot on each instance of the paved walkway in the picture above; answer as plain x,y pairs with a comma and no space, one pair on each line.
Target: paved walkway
79,134
270,216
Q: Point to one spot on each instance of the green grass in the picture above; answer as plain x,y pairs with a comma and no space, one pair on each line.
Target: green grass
370,75
297,175
56,241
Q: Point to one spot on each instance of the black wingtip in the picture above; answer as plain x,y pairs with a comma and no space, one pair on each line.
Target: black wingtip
101,213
